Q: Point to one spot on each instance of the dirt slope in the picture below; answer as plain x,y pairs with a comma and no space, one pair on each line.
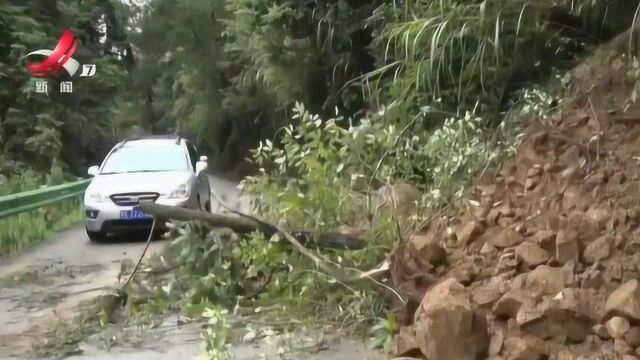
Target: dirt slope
544,262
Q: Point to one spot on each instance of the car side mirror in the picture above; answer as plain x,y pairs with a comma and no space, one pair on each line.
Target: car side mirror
93,171
202,164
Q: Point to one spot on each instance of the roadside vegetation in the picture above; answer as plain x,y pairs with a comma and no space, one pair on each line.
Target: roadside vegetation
366,117
29,228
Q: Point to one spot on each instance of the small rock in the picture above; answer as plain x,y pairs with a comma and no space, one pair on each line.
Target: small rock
621,347
573,172
249,337
596,179
617,326
486,294
531,183
597,250
585,225
429,248
633,246
531,255
506,263
618,178
620,215
506,211
523,348
465,273
570,156
534,171
567,248
529,313
507,238
518,282
625,301
615,271
545,239
506,221
469,232
632,337
405,341
571,199
599,215
510,303
487,249
546,280
493,216
618,240
592,279
630,275
495,345
601,331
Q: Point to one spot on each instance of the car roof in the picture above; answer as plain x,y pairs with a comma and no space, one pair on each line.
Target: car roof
152,140
158,137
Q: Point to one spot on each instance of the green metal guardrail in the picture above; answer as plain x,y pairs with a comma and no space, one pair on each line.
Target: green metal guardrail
30,200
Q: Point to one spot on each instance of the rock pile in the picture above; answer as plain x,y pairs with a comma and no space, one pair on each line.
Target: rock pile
546,263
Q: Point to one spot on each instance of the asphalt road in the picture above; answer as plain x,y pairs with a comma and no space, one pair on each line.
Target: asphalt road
47,283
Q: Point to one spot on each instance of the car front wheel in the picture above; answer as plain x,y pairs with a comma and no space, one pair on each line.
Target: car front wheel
96,236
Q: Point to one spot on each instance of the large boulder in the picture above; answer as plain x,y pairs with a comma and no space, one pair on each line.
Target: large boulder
567,316
447,327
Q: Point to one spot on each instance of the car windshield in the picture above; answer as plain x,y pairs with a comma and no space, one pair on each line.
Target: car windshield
146,159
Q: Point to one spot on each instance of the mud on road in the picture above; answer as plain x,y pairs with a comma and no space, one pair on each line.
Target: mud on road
41,287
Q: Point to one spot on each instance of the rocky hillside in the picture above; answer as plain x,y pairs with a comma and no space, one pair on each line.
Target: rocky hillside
544,262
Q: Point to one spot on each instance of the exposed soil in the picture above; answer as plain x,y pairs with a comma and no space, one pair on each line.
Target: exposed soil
543,252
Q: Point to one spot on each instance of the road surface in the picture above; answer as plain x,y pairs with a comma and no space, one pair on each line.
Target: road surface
41,286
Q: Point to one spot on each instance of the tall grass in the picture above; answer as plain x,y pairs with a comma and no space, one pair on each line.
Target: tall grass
27,229
465,54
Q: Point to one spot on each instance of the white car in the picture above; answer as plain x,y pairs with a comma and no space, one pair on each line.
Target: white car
163,169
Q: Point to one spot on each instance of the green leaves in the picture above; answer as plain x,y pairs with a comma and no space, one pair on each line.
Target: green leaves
382,333
217,337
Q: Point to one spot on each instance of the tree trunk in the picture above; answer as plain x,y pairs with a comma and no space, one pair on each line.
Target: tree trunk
245,225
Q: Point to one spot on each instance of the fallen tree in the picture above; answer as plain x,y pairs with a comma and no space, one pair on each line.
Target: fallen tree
245,224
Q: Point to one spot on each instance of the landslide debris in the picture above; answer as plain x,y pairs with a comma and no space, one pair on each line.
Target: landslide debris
546,265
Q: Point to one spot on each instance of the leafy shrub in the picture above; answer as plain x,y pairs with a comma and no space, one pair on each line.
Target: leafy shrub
318,158
216,344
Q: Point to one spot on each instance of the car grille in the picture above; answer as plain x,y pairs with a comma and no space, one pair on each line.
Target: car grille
133,199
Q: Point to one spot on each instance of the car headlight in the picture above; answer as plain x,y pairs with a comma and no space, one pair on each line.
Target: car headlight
95,197
183,191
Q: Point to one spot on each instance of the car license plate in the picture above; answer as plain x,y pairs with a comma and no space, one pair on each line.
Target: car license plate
133,214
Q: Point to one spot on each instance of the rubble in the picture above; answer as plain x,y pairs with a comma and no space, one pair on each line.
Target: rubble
548,265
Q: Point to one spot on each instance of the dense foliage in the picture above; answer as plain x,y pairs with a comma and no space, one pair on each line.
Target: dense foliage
38,131
228,73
